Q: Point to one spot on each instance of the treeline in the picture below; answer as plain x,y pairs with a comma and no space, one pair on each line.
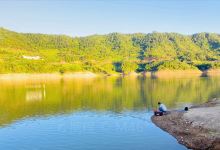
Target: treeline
108,53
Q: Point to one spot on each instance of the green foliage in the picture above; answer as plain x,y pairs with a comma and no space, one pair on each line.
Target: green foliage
207,65
70,68
128,66
152,66
175,65
107,53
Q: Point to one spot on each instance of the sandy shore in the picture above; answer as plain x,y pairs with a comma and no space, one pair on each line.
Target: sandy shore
48,76
213,72
177,73
199,128
87,75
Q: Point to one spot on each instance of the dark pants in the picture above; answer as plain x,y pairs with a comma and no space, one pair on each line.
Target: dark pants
158,113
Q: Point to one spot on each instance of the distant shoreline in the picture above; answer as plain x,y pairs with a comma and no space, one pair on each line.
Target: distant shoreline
86,74
46,76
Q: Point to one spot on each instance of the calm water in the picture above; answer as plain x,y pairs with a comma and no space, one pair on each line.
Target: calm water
104,113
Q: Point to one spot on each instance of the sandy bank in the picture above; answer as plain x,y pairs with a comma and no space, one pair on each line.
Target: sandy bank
177,73
213,72
46,76
87,74
199,128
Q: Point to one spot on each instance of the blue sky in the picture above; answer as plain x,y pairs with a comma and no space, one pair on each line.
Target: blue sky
86,17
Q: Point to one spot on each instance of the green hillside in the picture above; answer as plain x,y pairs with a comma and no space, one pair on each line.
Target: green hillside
107,53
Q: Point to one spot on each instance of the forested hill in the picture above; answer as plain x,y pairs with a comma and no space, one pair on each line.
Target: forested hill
24,52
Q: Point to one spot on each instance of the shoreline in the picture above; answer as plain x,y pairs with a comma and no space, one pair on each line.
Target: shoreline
87,74
49,76
198,128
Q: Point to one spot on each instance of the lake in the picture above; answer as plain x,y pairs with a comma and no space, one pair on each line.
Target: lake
94,114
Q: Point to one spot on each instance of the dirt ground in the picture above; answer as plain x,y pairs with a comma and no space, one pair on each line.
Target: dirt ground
198,128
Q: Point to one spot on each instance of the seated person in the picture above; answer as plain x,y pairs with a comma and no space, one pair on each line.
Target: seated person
161,110
162,107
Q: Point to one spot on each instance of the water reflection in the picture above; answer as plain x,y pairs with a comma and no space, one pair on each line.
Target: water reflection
35,93
29,98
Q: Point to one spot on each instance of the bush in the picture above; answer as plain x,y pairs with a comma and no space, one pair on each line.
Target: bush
175,65
128,67
207,65
153,66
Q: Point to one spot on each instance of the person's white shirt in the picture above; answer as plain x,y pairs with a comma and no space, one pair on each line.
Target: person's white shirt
162,107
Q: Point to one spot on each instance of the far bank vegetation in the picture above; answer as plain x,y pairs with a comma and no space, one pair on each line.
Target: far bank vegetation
111,53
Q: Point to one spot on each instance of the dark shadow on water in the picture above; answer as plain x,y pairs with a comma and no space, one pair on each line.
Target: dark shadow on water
204,74
153,75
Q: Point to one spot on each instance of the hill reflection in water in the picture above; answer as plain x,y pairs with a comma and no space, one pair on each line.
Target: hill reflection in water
22,99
